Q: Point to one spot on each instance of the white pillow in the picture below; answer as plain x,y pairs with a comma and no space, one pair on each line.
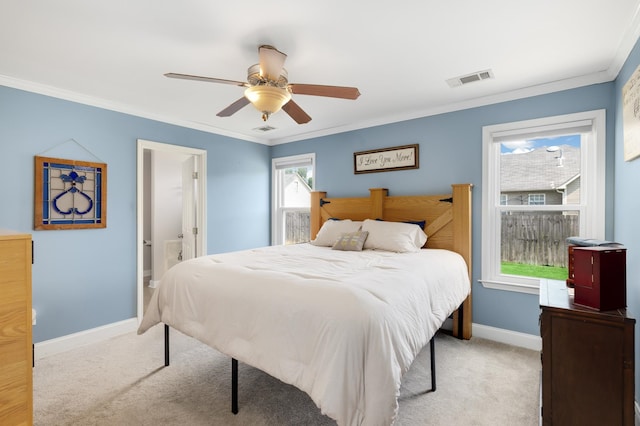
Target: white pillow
332,230
393,236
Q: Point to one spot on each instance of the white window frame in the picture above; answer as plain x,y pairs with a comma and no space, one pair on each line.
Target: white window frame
592,203
277,210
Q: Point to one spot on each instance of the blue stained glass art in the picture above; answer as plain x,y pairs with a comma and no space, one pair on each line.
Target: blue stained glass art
69,194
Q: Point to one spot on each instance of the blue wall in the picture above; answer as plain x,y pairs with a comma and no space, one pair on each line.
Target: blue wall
79,284
87,278
627,206
451,152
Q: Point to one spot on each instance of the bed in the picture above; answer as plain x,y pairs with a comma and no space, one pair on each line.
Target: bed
342,325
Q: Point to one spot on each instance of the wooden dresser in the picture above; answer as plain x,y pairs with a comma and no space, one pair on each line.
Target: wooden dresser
16,391
587,361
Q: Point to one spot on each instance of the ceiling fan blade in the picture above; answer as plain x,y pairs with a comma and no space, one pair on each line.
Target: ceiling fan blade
207,79
328,91
234,107
295,112
271,62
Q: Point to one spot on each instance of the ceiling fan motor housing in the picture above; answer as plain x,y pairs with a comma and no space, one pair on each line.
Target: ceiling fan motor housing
255,78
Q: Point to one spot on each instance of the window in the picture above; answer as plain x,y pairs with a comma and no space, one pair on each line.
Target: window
536,199
543,181
292,183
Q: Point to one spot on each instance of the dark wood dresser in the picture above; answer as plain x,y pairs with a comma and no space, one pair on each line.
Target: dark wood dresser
587,361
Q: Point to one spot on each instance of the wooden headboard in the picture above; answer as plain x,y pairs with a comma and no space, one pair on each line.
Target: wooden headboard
447,216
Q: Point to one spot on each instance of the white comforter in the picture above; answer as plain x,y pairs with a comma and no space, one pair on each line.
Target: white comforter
341,326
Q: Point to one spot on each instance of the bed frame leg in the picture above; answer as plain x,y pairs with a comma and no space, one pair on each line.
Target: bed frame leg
166,345
234,386
461,322
432,347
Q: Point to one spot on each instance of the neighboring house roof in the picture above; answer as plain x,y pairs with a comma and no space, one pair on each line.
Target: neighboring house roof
290,177
296,191
538,170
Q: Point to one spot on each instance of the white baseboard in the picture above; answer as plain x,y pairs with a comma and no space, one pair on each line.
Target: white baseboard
98,334
514,338
154,283
523,340
82,338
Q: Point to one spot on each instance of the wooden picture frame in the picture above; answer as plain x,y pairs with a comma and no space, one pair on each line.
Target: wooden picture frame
631,116
403,157
69,194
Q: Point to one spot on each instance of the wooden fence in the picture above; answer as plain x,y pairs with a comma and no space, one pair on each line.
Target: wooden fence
297,227
534,239
537,239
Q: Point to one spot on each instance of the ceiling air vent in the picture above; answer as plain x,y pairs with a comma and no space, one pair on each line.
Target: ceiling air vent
470,78
264,128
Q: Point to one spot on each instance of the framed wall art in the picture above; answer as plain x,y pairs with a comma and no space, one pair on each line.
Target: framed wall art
386,159
631,116
69,194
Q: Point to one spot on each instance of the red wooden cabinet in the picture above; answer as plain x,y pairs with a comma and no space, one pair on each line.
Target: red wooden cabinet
600,278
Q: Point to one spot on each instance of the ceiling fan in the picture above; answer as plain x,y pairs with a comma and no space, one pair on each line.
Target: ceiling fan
268,88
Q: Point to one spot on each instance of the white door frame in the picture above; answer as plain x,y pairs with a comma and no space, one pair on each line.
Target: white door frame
201,158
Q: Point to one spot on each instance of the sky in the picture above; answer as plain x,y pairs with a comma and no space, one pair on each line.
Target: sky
517,147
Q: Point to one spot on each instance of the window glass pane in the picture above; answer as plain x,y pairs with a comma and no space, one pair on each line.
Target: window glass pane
533,243
543,171
296,203
296,226
297,183
538,172
536,199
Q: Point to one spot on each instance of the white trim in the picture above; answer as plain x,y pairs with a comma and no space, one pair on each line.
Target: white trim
514,338
80,98
105,332
201,155
527,92
83,338
511,286
508,337
542,89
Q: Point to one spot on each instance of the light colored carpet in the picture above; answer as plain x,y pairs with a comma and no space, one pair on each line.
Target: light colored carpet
123,382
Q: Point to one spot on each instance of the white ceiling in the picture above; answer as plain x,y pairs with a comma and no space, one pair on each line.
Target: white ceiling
113,54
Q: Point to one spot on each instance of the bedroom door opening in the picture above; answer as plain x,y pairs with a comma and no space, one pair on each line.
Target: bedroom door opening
171,211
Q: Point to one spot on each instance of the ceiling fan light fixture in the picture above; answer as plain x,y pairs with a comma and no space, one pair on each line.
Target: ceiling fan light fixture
267,99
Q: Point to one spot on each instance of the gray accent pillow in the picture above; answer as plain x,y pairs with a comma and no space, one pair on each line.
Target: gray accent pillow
351,241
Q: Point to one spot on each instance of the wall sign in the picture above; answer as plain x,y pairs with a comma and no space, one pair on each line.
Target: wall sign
631,116
386,159
69,194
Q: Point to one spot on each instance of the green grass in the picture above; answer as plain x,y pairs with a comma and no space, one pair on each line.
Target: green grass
549,272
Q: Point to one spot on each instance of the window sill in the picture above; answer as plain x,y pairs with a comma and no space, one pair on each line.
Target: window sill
510,286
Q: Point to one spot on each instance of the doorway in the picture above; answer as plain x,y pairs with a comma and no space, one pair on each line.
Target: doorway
171,211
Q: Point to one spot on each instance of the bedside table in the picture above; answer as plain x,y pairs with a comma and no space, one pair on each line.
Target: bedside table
587,361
